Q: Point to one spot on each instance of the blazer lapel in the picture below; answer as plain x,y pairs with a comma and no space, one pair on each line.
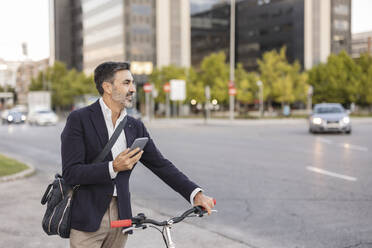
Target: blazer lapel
99,124
129,131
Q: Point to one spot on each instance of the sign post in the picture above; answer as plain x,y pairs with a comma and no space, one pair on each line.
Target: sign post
232,93
207,104
260,85
147,88
167,89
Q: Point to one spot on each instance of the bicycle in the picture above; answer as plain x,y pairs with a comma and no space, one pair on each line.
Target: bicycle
140,221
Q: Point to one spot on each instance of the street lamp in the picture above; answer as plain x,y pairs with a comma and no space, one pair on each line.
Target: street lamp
260,85
232,55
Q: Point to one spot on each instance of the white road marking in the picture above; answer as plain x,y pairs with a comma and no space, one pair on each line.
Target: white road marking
329,173
344,145
327,141
354,147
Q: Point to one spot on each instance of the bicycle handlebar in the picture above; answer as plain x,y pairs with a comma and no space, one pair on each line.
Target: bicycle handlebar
141,218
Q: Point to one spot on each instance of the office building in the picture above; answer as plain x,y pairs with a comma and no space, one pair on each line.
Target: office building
148,33
66,33
361,43
310,29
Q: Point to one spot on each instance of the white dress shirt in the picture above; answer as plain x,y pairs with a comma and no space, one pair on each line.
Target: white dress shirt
121,143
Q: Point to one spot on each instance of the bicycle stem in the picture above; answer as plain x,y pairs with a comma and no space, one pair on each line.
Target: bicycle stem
168,238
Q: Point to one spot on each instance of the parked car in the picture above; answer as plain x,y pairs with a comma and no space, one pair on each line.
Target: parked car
329,117
12,116
43,117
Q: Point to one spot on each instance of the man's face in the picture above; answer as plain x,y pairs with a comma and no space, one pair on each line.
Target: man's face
123,88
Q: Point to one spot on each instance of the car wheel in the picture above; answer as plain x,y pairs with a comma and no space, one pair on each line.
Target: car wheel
348,131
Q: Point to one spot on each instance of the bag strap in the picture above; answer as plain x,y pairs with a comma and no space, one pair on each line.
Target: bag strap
111,142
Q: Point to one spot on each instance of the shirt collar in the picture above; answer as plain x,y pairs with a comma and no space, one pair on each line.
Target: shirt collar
107,111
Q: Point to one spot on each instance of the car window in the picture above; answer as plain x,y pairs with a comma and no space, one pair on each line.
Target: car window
328,110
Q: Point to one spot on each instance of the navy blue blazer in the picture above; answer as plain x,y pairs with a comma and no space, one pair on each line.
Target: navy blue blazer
83,138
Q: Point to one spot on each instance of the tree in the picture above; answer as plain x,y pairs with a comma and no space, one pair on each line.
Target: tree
338,80
163,75
246,85
195,86
365,86
64,84
215,73
283,82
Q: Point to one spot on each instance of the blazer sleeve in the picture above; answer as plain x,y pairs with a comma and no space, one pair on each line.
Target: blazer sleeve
164,169
75,170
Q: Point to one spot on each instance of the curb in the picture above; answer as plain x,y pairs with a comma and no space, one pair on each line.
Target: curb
25,173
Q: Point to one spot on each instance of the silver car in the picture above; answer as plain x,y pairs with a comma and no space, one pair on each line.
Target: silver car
329,117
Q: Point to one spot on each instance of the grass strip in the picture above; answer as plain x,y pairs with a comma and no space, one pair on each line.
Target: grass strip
9,166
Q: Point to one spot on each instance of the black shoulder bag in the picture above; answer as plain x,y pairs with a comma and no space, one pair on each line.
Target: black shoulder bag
59,196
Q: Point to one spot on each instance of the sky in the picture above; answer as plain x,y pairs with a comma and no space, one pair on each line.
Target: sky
28,21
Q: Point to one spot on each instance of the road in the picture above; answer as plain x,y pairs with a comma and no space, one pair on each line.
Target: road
275,184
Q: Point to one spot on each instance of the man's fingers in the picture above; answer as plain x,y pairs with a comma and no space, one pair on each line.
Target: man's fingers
136,158
131,153
125,151
207,208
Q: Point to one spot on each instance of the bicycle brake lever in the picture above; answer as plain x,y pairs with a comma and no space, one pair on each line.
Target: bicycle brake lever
133,228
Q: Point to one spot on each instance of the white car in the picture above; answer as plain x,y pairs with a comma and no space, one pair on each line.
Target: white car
328,117
43,117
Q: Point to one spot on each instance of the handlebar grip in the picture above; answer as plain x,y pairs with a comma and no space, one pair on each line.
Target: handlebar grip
121,223
214,202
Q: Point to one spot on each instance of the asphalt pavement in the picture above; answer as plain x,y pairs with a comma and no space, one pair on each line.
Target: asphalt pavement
276,185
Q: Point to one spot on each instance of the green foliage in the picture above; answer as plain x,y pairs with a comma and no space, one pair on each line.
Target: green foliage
163,75
195,87
215,73
65,84
246,85
365,85
339,80
283,82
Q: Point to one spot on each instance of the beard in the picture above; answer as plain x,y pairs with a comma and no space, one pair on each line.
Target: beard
124,99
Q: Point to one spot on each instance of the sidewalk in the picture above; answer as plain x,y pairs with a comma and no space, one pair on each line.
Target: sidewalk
21,214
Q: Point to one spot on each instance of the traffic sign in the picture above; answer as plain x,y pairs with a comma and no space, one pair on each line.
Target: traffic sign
232,91
166,87
178,90
147,87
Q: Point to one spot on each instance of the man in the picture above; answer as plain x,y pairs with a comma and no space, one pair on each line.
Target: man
103,195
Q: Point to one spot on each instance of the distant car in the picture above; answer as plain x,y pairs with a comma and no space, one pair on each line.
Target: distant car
134,113
329,117
12,116
43,117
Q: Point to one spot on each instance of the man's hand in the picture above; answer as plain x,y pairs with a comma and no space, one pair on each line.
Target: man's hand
125,160
204,201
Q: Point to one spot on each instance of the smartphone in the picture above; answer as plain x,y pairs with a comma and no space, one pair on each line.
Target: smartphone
139,142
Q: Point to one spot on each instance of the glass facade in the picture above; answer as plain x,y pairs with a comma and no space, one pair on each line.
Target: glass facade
103,32
210,25
341,26
67,32
263,25
140,31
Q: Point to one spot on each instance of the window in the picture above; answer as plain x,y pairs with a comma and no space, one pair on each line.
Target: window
341,9
341,25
